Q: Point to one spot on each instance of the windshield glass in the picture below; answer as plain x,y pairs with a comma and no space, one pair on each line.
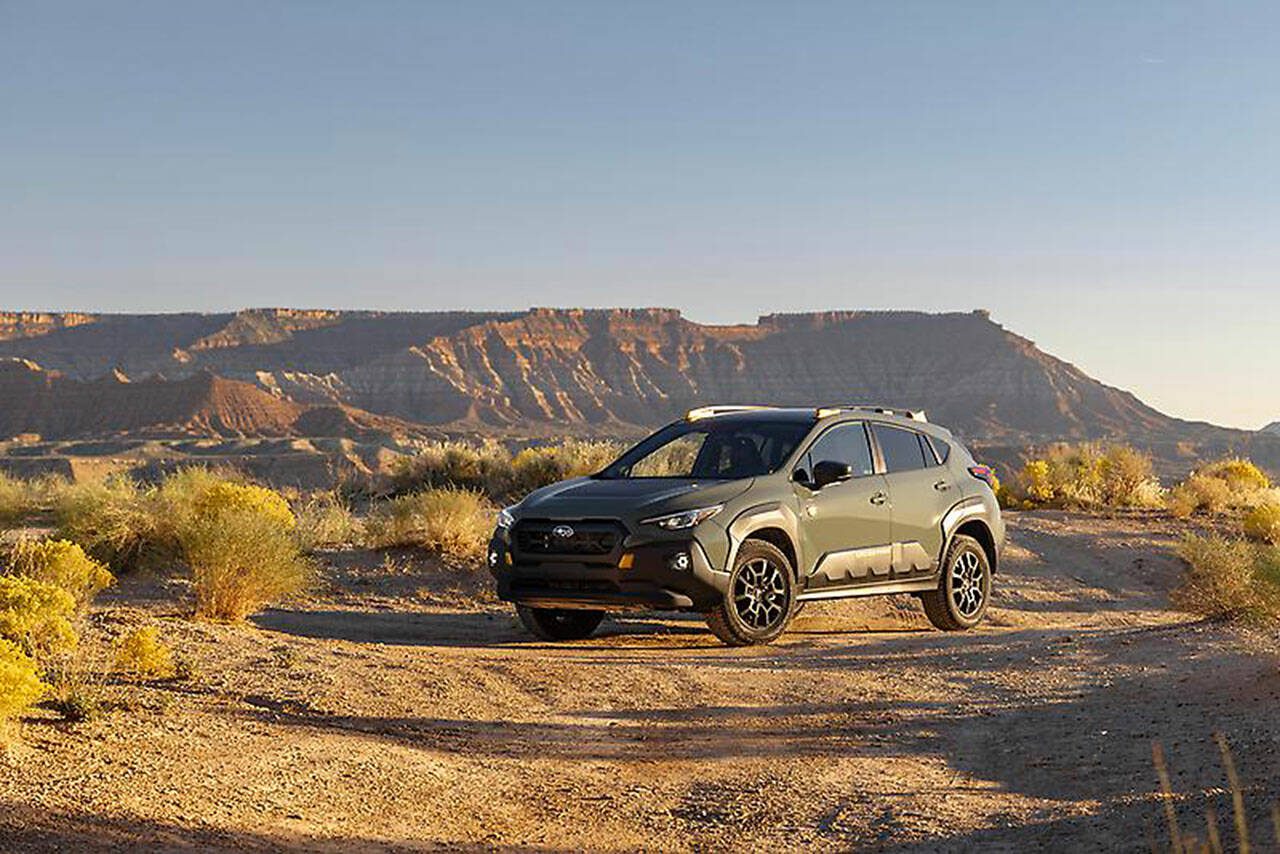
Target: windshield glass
711,450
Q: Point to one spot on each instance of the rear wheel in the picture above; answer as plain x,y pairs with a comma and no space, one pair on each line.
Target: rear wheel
965,587
557,624
761,598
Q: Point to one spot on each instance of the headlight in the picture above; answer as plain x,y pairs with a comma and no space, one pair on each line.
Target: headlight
684,519
505,518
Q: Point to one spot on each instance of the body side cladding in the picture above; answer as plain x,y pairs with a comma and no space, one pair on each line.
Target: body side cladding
971,509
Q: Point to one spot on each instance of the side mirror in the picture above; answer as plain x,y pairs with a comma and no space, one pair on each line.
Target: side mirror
828,472
800,476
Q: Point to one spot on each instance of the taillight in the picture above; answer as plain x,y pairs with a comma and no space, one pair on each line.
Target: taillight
986,474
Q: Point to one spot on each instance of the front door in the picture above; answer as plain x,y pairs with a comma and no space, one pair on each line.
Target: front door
846,527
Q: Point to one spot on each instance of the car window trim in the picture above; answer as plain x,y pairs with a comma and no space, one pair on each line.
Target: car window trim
877,464
883,466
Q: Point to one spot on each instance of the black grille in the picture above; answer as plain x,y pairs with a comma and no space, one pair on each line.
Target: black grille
535,537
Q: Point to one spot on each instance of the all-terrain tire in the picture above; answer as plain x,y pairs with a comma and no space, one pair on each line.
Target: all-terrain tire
964,591
761,598
559,624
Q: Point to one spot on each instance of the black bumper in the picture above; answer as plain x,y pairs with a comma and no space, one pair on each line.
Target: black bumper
650,583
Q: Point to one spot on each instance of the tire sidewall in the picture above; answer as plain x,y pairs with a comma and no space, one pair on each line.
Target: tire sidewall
961,545
750,551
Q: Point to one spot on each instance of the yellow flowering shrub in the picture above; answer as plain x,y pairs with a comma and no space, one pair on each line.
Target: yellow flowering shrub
1263,523
20,685
142,654
36,616
63,564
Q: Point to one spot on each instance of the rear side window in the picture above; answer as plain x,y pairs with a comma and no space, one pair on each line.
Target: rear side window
941,448
844,443
901,448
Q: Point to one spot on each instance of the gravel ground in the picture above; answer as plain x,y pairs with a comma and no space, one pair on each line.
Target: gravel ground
402,709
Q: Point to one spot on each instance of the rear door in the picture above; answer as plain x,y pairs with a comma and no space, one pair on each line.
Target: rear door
921,491
846,531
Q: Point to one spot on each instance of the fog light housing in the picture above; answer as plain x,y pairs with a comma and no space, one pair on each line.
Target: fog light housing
680,561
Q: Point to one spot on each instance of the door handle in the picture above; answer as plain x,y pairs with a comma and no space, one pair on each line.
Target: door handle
879,498
942,486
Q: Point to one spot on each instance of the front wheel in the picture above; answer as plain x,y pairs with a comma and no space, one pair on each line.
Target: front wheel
558,624
965,587
761,598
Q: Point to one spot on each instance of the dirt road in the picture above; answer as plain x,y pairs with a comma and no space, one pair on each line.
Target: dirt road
381,717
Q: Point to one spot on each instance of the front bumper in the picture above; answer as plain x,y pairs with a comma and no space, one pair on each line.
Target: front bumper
652,581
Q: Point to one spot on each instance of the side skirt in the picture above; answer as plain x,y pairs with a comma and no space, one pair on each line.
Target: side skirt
911,585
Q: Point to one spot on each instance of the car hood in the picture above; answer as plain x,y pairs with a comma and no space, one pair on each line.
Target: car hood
586,497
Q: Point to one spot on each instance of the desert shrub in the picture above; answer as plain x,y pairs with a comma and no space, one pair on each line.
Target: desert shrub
15,500
36,616
1126,478
1230,578
242,560
1221,486
455,522
142,654
1263,523
20,685
1240,474
326,520
491,470
478,468
1200,494
539,466
194,493
63,564
113,520
1088,474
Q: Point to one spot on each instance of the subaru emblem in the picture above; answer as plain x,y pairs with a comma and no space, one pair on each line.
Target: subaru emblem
564,532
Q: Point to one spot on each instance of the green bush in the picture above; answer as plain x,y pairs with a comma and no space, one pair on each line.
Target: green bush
20,685
454,522
37,616
242,560
63,564
1230,578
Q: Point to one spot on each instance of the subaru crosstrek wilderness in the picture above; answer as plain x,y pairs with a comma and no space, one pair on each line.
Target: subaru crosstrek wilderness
743,513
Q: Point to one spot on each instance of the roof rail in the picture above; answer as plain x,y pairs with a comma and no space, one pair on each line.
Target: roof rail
711,411
913,414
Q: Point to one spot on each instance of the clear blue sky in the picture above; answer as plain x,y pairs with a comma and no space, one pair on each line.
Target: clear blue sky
1104,177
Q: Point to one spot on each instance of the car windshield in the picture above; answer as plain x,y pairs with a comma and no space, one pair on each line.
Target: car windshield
712,450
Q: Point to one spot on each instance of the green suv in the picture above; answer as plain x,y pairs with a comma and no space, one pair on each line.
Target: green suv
743,513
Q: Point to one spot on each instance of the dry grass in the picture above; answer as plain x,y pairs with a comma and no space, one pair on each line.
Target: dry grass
325,521
241,561
492,470
1185,841
455,522
1226,485
114,520
63,564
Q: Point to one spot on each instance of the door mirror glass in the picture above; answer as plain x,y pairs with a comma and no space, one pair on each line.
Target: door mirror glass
800,476
829,471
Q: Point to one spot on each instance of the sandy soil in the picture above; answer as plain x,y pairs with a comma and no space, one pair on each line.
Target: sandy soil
395,712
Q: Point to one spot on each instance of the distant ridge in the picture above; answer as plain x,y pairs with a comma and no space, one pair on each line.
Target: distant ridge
549,371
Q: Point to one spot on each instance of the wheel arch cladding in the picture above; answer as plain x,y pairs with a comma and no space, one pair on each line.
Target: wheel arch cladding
778,538
978,529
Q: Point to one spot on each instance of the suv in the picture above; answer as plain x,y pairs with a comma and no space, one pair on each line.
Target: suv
745,513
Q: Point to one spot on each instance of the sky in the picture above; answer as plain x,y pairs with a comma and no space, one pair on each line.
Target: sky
1103,177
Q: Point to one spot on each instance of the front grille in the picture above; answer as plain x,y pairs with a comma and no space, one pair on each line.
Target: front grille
536,537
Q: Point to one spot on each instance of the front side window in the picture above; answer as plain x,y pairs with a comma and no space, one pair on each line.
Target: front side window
901,449
844,443
712,450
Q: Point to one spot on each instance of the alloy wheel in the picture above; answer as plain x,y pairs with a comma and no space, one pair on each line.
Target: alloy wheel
760,594
967,591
